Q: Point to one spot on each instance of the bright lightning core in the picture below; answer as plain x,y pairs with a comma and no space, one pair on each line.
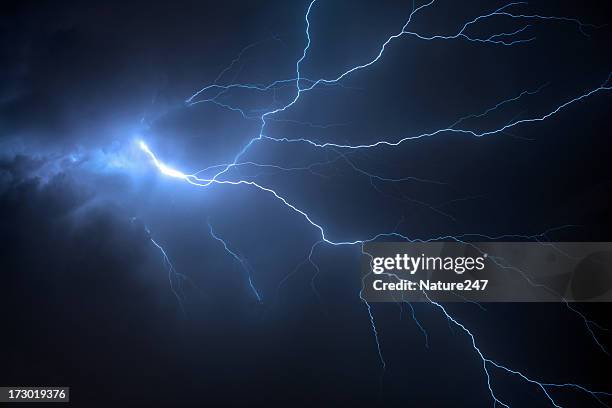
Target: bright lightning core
164,169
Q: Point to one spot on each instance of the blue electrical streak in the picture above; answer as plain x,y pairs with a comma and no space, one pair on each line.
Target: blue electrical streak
370,313
309,259
418,323
313,285
241,260
499,105
309,124
176,279
206,182
589,324
312,166
537,238
487,362
239,57
403,198
602,88
302,84
222,90
460,34
500,12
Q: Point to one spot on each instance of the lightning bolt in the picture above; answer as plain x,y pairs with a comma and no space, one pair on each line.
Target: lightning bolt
241,260
223,174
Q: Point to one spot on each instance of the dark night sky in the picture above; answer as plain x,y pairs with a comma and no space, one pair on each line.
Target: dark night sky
84,295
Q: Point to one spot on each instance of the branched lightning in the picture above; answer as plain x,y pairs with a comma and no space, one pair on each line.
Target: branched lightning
487,363
175,279
222,174
239,259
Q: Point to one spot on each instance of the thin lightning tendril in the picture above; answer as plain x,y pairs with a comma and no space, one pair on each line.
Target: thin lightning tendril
241,260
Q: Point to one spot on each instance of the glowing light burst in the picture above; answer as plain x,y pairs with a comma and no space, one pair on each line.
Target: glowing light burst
168,171
301,84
